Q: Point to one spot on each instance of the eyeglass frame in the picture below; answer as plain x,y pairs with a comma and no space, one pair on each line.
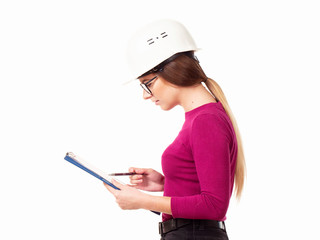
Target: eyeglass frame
145,86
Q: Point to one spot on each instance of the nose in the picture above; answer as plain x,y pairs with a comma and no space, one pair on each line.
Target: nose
146,95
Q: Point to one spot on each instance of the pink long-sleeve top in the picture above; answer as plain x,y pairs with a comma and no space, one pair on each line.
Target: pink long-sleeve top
199,165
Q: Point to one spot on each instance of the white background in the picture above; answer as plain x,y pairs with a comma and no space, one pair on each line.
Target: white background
62,65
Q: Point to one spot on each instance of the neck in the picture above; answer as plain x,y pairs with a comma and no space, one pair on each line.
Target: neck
195,96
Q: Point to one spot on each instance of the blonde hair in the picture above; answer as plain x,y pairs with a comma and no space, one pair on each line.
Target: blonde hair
240,172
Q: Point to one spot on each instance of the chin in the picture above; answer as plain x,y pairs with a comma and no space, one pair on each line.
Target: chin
166,107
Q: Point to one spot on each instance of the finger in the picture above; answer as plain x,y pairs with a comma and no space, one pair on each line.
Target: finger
134,186
131,169
110,189
139,182
117,184
138,170
136,177
136,181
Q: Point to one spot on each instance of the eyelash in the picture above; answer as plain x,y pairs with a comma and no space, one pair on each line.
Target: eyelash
149,84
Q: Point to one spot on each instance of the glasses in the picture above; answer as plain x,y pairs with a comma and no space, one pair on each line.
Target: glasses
146,85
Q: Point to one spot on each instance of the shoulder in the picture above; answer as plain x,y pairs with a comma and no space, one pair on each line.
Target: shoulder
206,119
214,124
208,112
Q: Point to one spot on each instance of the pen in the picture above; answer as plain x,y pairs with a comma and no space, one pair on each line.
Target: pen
124,174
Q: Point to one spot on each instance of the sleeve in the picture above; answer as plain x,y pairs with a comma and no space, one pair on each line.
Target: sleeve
209,141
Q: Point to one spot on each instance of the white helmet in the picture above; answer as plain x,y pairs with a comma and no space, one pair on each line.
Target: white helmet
156,42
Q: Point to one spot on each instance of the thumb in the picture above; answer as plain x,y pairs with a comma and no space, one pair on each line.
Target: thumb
117,184
112,189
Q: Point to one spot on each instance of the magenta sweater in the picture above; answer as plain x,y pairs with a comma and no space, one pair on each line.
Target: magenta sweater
199,165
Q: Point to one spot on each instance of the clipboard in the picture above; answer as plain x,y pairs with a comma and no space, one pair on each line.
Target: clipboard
80,163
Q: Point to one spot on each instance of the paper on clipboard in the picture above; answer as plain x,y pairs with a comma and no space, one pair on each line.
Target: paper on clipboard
79,162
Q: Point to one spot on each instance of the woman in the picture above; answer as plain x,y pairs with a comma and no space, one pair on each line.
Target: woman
205,160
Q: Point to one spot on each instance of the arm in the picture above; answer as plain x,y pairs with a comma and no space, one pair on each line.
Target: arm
209,141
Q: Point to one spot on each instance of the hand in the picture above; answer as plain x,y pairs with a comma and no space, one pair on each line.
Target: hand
127,197
147,179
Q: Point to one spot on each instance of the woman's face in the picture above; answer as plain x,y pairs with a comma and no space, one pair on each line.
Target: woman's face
163,94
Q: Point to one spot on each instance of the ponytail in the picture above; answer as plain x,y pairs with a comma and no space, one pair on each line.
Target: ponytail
240,164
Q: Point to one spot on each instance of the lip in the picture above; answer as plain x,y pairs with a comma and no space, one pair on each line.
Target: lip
157,102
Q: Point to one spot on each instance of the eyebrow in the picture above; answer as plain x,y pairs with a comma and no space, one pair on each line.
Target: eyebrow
146,80
142,80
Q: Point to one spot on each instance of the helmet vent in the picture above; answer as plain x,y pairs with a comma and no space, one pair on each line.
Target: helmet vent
164,34
150,41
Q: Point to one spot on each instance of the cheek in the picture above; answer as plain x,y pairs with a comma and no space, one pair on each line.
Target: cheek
166,94
169,99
